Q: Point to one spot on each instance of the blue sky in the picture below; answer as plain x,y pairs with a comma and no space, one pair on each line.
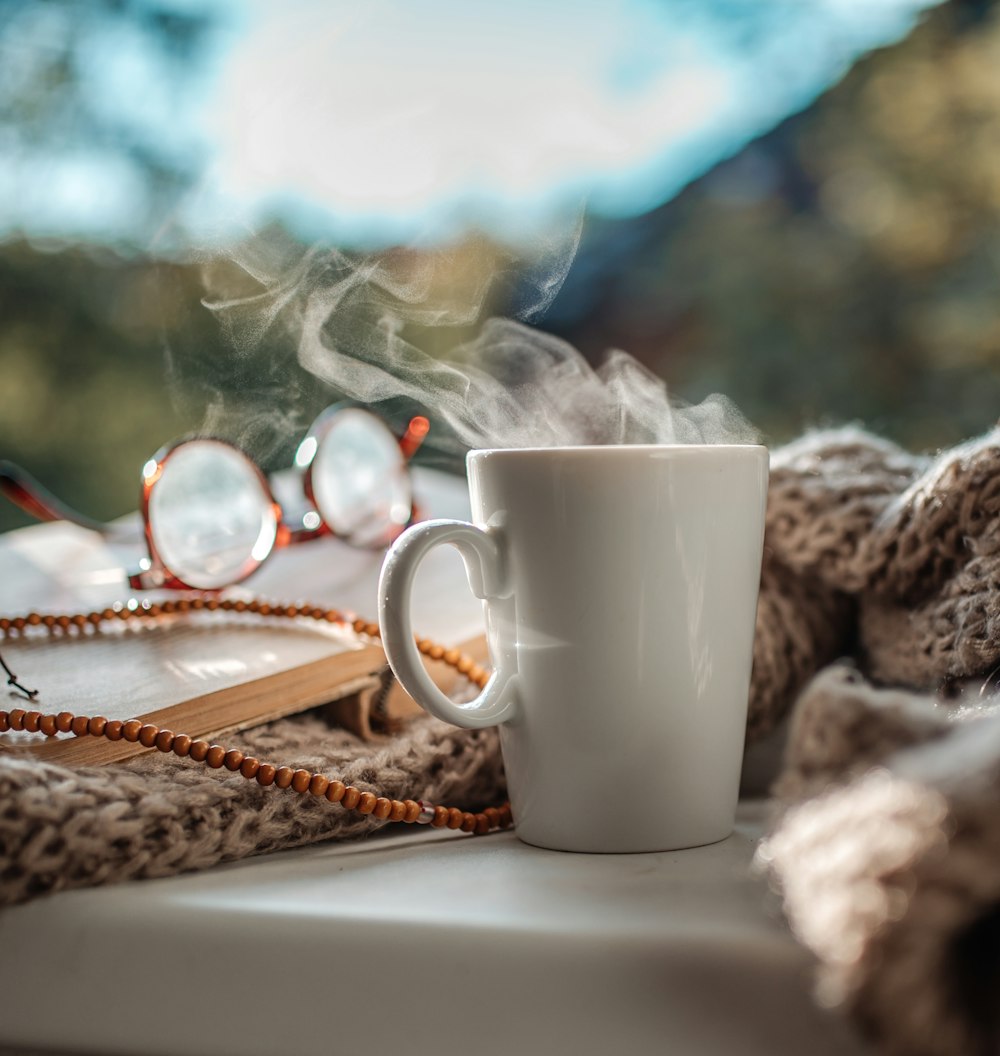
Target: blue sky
389,121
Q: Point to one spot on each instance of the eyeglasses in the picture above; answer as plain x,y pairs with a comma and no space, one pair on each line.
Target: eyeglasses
210,514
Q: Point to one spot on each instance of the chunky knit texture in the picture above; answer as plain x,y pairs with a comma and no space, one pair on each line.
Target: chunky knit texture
888,858
159,815
888,844
872,551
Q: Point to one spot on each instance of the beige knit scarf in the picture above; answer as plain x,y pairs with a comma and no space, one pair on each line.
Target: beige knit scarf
890,875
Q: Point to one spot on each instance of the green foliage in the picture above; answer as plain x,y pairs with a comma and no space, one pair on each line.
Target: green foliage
83,397
844,267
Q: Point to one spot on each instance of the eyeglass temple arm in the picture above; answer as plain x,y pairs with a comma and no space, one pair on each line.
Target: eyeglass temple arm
409,443
24,491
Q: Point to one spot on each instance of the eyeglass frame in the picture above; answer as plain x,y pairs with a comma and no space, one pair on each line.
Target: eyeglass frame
153,573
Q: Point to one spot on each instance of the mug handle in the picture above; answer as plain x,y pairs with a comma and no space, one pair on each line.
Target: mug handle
482,554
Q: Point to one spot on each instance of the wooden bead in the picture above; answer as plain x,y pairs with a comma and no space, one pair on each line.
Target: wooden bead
452,656
80,726
47,725
454,818
350,798
300,781
506,819
440,818
464,665
249,767
182,745
335,791
97,725
34,619
148,734
366,803
130,731
17,719
31,720
215,755
482,825
264,609
283,776
164,741
64,721
493,817
4,721
265,775
412,811
397,811
383,808
112,730
318,785
468,822
233,759
436,652
198,750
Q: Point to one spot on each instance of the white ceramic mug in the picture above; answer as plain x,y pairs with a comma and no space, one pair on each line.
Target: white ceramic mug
620,588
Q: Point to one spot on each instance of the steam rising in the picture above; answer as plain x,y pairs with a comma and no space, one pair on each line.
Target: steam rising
353,325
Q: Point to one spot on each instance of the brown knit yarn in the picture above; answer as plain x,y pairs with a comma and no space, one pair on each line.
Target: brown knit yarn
914,543
887,853
159,815
842,726
890,872
801,625
827,491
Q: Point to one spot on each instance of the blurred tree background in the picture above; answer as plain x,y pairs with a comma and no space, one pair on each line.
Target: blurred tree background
843,268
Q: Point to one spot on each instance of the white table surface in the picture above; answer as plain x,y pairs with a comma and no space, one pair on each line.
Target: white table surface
416,942
426,943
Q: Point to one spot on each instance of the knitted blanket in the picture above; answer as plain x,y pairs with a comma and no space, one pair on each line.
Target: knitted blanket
886,850
886,847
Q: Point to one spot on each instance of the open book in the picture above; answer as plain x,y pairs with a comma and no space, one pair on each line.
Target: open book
213,673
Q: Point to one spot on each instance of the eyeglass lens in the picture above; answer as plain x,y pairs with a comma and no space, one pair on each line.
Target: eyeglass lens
360,482
210,517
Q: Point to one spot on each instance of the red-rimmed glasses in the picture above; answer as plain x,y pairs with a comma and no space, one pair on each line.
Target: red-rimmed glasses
211,517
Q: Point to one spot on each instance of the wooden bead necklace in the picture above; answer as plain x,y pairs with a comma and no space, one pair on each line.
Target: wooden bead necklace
216,756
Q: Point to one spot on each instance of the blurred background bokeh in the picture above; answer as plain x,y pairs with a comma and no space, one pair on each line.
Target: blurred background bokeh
819,238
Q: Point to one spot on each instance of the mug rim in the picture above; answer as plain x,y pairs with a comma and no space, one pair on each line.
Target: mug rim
580,450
